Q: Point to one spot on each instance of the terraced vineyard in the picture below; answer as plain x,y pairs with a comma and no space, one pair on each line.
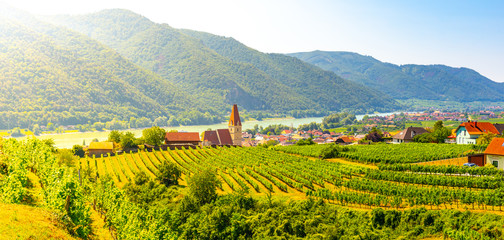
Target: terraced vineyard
259,171
387,153
254,170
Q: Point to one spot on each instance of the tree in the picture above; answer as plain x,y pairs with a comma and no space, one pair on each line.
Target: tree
425,138
66,157
114,136
168,174
78,150
440,132
36,130
308,141
128,140
154,135
375,135
485,138
203,186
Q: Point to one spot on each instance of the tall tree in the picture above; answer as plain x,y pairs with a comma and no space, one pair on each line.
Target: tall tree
154,135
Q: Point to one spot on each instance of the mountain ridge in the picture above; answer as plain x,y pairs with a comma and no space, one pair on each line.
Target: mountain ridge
408,81
170,51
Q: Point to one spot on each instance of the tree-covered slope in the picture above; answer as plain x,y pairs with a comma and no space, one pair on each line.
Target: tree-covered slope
430,82
51,74
227,74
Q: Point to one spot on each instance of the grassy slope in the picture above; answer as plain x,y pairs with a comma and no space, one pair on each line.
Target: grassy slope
20,221
27,222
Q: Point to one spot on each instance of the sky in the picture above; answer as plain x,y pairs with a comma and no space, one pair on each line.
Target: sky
457,33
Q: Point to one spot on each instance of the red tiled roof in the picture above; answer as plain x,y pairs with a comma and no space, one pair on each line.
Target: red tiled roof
475,128
218,137
496,147
345,139
225,136
182,137
211,136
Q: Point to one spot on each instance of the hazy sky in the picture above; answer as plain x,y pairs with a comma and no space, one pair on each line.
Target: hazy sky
456,33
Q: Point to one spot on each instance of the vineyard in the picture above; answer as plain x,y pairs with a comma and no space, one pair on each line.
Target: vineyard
258,171
264,193
387,153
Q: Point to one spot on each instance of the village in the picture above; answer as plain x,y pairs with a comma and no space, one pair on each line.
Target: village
467,132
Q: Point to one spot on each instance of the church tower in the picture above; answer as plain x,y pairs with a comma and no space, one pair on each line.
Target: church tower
235,126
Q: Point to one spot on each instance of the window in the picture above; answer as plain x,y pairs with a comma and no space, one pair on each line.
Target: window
495,163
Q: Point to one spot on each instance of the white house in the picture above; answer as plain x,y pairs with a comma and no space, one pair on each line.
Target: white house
468,132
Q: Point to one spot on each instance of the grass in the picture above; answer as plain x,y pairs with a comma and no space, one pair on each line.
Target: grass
27,222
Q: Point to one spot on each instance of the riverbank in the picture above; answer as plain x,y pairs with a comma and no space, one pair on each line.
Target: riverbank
67,140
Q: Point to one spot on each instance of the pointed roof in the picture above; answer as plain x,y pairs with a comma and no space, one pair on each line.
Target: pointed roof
496,147
234,119
476,128
218,137
409,133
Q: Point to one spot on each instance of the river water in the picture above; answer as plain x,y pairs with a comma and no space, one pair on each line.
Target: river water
67,140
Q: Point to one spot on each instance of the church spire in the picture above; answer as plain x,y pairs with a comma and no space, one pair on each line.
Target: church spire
234,119
235,126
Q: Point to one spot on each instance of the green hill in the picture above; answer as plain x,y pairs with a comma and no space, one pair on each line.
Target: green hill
116,64
51,74
429,82
222,70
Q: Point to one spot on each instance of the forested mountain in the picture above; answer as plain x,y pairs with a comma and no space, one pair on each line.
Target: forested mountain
221,70
116,64
51,74
430,82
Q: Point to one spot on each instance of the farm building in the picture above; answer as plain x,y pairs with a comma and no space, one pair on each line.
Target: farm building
99,148
182,139
494,153
406,135
219,137
468,132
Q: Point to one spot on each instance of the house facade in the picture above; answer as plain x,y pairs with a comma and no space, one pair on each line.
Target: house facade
494,153
407,135
99,148
468,132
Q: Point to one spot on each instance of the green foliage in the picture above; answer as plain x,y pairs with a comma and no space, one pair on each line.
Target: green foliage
154,135
203,186
221,71
302,142
374,135
332,151
60,188
168,174
336,120
485,138
438,135
66,157
387,153
425,138
114,136
78,150
430,82
128,140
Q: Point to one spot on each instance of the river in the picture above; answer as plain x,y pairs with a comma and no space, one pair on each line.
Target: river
67,140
